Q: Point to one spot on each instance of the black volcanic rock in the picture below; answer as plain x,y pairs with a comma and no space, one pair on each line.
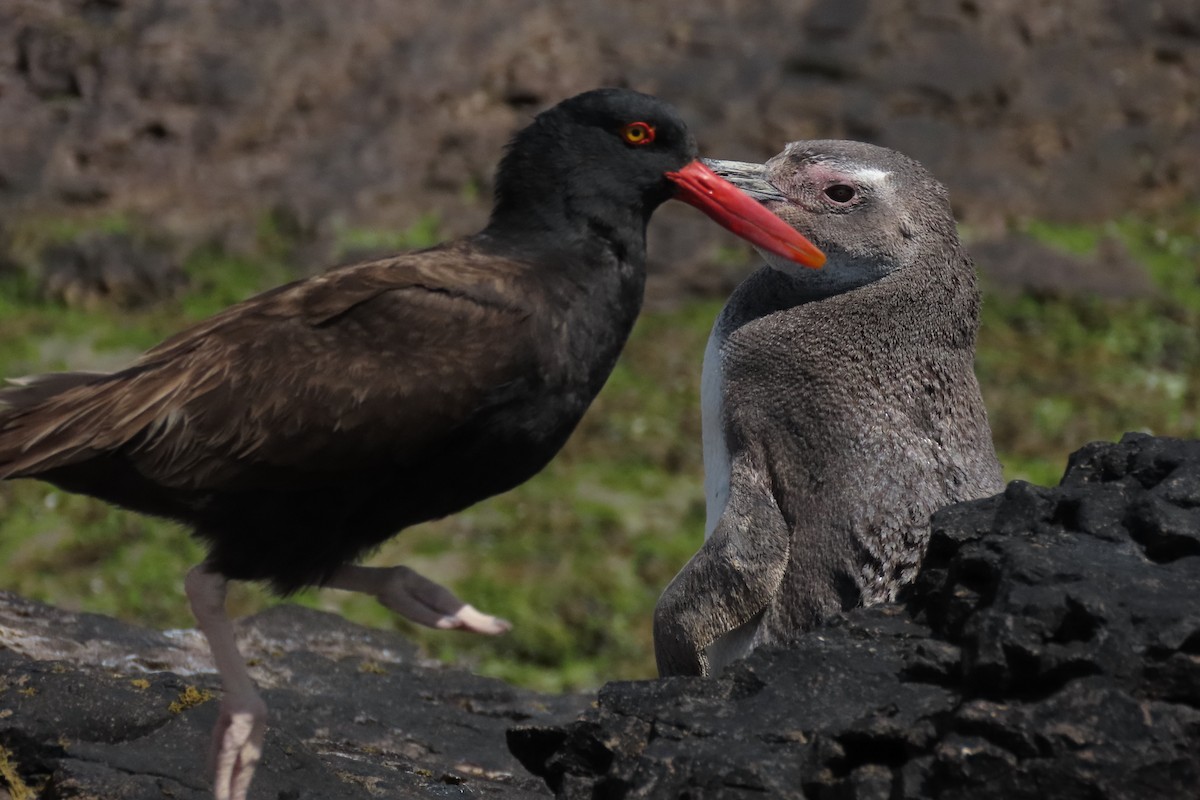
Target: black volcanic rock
1049,649
94,708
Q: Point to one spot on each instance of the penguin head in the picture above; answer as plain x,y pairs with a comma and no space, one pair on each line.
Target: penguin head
873,211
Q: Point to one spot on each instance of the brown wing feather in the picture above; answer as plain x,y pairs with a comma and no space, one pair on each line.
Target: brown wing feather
317,376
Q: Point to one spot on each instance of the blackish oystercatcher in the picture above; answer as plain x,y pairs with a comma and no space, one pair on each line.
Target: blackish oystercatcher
299,429
840,407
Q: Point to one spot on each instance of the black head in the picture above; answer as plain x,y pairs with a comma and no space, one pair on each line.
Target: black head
600,163
602,153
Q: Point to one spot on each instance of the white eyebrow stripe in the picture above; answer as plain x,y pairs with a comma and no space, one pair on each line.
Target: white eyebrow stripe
870,175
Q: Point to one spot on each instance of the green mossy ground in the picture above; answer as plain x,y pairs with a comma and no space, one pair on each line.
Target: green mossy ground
577,556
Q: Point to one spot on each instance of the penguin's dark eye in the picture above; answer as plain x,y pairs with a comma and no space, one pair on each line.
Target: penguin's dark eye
840,193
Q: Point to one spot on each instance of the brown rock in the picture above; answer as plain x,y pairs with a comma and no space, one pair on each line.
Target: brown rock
200,119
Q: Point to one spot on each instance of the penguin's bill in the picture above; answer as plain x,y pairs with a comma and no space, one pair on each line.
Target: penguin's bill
741,213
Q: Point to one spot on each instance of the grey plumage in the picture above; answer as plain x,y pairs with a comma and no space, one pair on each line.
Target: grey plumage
841,407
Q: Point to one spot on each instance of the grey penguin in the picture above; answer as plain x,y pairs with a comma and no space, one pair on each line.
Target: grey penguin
840,407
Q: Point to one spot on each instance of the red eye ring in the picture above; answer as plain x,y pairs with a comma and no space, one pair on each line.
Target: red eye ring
638,133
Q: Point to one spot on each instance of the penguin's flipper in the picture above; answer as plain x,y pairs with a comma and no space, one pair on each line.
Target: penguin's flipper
729,581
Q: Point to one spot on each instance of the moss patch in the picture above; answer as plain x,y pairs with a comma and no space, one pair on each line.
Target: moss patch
190,697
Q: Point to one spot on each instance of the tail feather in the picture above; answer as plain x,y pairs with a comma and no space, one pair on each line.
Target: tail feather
50,421
37,413
34,389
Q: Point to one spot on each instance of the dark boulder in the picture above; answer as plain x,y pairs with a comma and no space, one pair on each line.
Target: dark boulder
1049,649
94,708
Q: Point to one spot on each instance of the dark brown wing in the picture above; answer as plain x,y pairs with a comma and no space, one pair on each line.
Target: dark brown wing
356,367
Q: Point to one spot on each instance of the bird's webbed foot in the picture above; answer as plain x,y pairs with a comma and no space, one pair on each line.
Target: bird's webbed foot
417,598
237,745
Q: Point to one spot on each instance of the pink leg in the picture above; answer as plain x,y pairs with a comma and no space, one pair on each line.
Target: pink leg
242,724
415,597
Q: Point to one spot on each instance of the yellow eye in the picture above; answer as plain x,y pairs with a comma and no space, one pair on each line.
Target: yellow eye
638,133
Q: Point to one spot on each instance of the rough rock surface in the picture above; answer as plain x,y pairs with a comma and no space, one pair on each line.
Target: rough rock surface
94,709
1050,649
209,121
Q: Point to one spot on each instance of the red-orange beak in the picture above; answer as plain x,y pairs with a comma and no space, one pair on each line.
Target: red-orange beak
736,211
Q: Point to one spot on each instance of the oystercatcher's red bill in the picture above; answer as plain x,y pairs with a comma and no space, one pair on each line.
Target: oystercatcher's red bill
736,211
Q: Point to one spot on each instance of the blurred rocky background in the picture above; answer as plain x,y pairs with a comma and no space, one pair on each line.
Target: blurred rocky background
305,123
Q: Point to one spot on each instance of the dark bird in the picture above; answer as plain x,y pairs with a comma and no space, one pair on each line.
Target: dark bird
299,429
840,407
